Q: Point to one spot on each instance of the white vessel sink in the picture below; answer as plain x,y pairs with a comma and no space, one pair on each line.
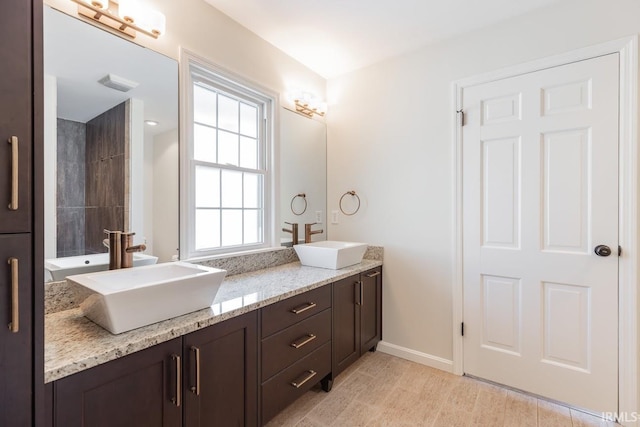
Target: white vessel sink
59,268
130,298
330,254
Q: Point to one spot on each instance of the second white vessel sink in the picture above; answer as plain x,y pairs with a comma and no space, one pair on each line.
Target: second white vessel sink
330,254
130,298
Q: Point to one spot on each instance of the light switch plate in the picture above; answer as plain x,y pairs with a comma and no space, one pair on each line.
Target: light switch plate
334,217
319,217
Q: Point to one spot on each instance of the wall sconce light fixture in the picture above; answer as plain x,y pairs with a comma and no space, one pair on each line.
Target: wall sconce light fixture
308,104
126,16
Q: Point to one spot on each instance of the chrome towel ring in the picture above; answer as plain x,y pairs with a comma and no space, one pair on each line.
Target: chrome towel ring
353,194
304,198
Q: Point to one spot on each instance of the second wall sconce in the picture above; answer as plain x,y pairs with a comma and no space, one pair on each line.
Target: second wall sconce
127,16
308,104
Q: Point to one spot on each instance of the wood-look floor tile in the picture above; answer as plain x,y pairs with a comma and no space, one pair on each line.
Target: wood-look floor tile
380,390
553,415
520,410
357,414
415,377
490,406
299,409
580,419
306,422
377,392
331,407
404,407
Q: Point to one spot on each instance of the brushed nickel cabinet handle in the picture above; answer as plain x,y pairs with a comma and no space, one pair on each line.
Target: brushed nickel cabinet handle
14,326
374,274
305,340
196,389
303,308
13,204
308,375
177,399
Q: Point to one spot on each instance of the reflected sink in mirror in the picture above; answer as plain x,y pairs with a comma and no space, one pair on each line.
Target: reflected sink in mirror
58,268
126,299
330,254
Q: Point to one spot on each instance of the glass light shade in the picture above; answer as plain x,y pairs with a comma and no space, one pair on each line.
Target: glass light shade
130,10
156,22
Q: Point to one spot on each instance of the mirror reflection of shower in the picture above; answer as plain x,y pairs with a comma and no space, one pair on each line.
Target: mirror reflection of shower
100,156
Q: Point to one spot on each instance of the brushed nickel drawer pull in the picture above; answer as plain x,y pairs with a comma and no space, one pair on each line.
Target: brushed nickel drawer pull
303,308
196,389
306,340
13,204
311,374
14,326
177,399
374,274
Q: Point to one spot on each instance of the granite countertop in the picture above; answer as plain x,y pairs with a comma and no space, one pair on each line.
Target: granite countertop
73,343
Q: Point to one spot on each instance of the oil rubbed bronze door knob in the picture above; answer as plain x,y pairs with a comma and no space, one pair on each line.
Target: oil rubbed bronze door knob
602,250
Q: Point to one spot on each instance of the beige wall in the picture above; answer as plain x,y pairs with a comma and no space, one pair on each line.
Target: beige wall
390,138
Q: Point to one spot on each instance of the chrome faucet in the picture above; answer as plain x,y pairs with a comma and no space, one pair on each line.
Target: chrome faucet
121,249
308,233
293,231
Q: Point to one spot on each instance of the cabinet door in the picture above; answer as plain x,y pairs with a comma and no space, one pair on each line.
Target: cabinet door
371,309
221,377
141,389
16,115
16,346
346,323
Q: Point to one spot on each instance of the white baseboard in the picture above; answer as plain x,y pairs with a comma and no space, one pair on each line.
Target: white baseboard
416,356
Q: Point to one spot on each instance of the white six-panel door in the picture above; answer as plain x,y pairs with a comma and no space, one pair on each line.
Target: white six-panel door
540,192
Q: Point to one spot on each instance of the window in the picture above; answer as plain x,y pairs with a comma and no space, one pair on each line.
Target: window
228,157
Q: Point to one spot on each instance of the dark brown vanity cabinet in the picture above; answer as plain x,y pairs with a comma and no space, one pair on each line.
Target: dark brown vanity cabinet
141,389
220,383
357,317
295,349
21,230
206,378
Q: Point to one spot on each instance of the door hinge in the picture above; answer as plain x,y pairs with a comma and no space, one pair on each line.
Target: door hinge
462,328
461,116
619,250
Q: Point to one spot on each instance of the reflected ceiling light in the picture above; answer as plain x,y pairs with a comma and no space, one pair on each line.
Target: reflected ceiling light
308,104
128,16
118,83
151,122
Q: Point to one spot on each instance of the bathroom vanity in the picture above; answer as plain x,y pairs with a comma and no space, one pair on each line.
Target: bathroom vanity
269,337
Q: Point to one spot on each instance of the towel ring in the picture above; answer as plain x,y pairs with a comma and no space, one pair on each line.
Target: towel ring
351,193
304,197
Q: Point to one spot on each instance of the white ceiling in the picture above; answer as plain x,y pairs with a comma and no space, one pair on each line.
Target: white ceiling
79,54
333,37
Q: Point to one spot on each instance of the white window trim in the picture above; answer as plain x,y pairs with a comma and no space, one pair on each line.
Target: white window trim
187,180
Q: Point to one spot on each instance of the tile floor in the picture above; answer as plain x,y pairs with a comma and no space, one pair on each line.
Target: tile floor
383,390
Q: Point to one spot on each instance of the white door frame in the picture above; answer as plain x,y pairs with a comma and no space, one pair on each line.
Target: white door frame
629,214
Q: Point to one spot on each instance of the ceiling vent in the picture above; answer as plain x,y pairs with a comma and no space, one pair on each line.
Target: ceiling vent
117,83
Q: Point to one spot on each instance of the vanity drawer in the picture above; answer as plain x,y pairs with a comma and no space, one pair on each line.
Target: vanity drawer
290,384
285,313
284,348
